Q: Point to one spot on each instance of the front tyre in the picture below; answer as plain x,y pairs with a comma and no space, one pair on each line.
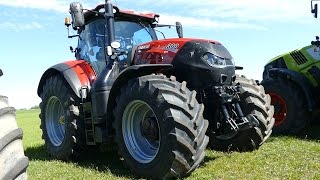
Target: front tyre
62,128
160,128
253,101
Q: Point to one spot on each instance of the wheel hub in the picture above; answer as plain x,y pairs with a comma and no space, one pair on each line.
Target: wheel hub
149,129
281,109
61,120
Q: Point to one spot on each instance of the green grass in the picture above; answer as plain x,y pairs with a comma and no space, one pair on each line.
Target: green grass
278,158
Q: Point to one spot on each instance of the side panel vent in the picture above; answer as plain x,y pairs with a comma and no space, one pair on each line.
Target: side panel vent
298,57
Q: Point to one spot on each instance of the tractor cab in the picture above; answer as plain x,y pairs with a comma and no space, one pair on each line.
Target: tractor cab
130,30
128,33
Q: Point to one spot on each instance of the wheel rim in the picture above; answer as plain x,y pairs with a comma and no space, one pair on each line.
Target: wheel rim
141,131
55,121
281,109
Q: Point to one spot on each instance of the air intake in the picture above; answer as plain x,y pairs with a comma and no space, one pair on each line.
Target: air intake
298,57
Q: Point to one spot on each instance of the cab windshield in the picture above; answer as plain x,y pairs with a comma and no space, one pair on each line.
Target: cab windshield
128,34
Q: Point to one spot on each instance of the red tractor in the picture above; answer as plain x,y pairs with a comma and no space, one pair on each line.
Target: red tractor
149,96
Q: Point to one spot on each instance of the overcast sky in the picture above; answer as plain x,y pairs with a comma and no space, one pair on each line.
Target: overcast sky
33,36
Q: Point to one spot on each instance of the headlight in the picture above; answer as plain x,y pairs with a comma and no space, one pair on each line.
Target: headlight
214,60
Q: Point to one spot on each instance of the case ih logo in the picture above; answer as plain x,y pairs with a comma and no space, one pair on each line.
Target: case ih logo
143,47
172,46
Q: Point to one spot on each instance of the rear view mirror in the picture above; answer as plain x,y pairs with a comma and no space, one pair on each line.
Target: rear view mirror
179,29
77,16
1,73
314,10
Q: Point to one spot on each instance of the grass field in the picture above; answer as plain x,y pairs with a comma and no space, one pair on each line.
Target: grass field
279,158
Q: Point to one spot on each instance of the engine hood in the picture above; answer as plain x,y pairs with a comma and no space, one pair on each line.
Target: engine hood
164,51
186,56
307,51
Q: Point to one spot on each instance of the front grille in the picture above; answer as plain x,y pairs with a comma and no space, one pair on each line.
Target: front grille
298,57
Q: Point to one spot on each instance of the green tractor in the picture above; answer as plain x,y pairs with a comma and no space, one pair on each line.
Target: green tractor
293,81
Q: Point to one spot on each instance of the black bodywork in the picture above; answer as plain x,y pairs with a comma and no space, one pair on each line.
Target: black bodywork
216,86
189,59
278,63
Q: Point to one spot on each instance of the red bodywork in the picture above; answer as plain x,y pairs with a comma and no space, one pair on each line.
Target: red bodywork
83,70
150,16
155,52
162,51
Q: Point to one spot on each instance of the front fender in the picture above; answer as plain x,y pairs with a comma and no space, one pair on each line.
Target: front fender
139,70
77,73
105,89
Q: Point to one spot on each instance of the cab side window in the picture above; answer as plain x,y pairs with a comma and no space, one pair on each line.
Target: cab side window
91,43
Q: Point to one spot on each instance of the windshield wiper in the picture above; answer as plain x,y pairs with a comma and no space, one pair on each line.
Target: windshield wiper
161,33
145,27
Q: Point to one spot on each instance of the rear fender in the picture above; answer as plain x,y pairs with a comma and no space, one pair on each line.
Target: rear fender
301,81
77,73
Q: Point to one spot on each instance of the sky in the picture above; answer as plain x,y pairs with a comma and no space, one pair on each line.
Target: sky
33,36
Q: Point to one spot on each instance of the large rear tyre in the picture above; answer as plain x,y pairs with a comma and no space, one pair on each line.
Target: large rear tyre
160,129
62,128
13,162
253,101
291,113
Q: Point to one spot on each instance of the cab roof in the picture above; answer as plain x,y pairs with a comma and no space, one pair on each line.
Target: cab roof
130,14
